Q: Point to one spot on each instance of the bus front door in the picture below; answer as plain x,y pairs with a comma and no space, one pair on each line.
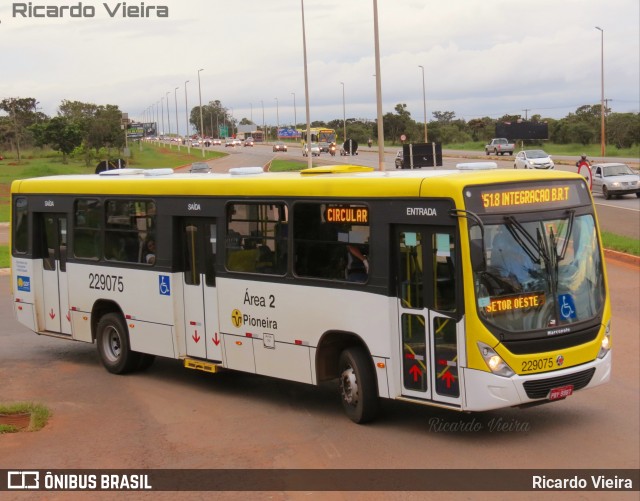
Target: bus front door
53,244
202,338
428,304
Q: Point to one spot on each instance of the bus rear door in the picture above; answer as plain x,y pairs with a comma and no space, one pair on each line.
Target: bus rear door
199,286
428,306
53,243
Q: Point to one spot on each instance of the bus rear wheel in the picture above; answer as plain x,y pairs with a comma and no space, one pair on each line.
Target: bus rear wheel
113,345
357,383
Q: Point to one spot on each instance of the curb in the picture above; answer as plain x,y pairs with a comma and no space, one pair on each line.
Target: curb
622,257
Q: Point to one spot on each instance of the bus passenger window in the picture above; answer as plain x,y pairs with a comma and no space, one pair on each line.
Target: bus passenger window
444,276
86,229
129,227
331,241
255,242
20,226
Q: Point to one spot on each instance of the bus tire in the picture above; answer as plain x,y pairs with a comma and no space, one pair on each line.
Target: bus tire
357,384
113,345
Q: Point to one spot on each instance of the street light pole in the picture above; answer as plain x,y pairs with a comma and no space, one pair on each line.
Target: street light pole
602,131
162,114
265,137
306,89
201,120
344,116
277,119
378,87
168,119
175,102
295,116
186,119
424,103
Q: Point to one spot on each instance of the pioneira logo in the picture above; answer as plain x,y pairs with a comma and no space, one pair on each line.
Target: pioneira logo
80,10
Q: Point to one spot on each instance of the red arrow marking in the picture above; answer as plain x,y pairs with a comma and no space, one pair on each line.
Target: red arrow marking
449,378
416,373
195,337
215,339
52,314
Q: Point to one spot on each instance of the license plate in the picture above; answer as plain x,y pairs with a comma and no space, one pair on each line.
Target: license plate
562,392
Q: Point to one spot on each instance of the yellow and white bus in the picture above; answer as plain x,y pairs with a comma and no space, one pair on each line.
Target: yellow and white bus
467,289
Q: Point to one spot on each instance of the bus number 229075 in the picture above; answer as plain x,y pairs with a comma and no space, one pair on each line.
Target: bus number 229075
111,283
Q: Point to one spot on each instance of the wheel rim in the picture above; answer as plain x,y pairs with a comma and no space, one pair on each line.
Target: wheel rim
111,344
349,386
605,192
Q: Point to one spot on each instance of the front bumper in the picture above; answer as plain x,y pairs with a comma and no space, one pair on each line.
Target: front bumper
486,391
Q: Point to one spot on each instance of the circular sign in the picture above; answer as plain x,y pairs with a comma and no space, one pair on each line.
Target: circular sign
403,137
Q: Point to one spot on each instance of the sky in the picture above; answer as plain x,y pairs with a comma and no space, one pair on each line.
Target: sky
480,58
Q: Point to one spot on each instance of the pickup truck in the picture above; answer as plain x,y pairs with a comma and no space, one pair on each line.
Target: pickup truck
499,146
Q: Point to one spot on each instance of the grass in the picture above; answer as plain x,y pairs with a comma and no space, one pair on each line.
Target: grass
39,415
620,243
287,165
5,258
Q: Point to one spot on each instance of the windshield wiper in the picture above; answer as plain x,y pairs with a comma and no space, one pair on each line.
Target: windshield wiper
565,245
528,244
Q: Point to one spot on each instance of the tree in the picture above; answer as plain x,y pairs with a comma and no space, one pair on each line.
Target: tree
214,115
100,125
21,114
398,124
623,129
61,133
444,117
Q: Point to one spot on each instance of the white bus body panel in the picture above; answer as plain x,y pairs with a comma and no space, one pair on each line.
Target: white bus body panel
239,353
136,292
23,290
283,315
282,360
152,338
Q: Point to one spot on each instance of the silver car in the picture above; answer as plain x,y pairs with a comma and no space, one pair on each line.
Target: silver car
315,150
615,179
533,159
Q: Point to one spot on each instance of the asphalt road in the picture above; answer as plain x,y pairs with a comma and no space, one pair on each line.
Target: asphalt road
171,417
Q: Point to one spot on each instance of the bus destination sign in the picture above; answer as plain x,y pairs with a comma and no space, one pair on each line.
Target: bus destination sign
520,197
347,214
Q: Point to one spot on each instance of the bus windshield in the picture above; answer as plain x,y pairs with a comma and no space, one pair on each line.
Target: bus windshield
540,274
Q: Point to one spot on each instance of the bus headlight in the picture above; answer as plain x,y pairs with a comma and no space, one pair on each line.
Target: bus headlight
494,361
606,341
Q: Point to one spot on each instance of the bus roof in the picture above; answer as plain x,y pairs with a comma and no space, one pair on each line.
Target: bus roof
248,182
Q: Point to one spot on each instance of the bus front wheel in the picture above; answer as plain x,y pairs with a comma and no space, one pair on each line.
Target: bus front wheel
358,385
113,345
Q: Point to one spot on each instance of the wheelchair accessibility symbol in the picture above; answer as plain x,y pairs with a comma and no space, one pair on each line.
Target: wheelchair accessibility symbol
164,285
567,306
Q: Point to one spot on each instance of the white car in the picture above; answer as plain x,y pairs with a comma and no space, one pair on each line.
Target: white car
315,150
533,159
615,179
